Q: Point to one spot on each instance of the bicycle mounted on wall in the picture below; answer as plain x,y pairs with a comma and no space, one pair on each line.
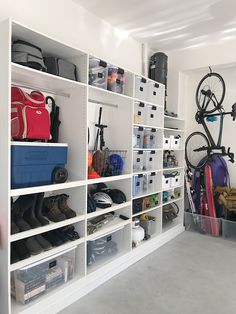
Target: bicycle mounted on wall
200,147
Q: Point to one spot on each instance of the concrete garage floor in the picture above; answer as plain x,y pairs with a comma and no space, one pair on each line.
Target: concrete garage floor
192,274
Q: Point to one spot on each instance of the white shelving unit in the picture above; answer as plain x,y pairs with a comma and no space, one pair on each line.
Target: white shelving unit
79,102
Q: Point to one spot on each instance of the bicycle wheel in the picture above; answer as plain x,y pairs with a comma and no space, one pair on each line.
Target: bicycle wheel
196,148
210,93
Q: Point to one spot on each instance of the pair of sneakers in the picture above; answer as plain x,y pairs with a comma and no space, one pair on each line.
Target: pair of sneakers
57,209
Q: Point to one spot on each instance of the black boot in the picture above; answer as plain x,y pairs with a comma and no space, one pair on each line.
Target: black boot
17,215
14,228
39,209
29,201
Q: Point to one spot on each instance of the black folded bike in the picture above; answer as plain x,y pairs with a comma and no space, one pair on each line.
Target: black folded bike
199,147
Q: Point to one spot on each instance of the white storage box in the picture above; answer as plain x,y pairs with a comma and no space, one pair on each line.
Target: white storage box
103,248
166,181
139,113
36,279
138,185
166,142
154,93
140,87
138,137
98,72
152,182
138,161
175,180
175,142
150,160
151,116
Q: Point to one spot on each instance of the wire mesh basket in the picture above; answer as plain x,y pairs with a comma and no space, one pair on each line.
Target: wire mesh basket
106,163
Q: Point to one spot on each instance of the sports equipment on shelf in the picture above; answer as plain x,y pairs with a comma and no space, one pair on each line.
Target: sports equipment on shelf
103,200
117,196
209,98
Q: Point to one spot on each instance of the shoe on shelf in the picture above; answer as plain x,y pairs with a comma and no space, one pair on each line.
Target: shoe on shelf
70,232
53,238
33,246
21,249
58,233
14,228
14,256
53,212
17,216
29,201
45,244
39,209
63,206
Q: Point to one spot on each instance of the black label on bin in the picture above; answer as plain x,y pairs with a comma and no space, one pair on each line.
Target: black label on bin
143,80
154,93
141,104
52,264
141,89
100,75
103,64
109,238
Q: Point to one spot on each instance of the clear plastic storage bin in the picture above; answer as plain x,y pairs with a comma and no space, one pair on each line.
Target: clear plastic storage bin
36,279
116,79
150,160
138,185
175,142
138,161
202,224
229,229
98,73
151,118
103,248
138,137
166,181
152,182
153,93
139,112
149,138
140,88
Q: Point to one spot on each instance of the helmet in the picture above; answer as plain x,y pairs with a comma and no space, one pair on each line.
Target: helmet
99,187
117,196
102,200
91,204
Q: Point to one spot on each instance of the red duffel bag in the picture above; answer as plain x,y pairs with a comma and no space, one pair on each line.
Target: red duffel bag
29,117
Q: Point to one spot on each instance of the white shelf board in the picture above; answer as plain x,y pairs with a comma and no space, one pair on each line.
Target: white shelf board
173,169
174,118
109,179
47,188
147,194
34,79
147,210
46,254
146,171
51,226
96,93
172,201
147,149
108,210
137,125
111,227
172,188
173,149
147,102
173,130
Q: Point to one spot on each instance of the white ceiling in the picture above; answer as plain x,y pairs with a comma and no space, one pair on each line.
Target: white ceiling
169,24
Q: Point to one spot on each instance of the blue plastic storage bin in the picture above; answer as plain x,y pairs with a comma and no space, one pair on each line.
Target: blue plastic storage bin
32,164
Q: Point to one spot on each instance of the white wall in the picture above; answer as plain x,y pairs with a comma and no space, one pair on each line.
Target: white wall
66,21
